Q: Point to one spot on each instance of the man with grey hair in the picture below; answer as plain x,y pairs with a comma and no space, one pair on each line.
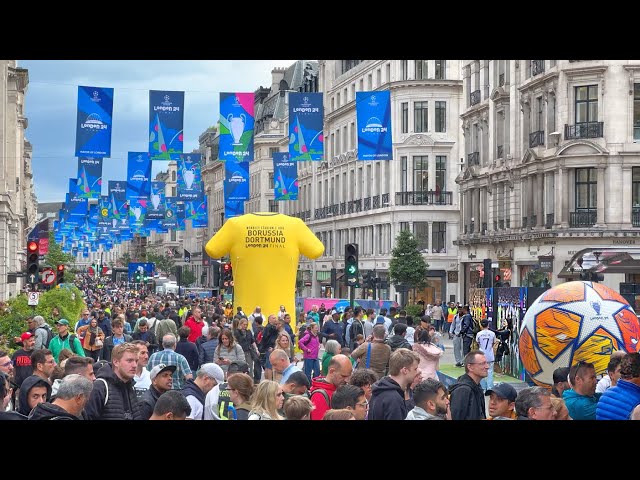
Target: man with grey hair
195,391
42,332
72,396
168,356
534,403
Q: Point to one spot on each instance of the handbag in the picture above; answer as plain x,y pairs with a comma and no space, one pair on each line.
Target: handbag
98,342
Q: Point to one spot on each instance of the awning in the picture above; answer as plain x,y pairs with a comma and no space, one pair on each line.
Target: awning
603,260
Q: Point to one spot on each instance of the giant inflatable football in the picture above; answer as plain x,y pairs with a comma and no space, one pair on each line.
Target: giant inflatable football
572,322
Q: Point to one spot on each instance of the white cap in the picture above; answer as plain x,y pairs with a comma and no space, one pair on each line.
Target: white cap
213,370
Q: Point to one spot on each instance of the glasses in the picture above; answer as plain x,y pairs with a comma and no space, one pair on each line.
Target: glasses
546,407
6,364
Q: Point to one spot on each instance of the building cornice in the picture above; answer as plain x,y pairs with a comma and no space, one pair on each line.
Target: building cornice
538,81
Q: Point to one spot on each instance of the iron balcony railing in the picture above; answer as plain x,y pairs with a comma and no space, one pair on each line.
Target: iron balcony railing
536,138
582,218
635,217
367,204
473,159
537,67
358,205
550,220
500,151
508,223
584,130
533,221
376,201
501,224
524,222
430,197
474,98
385,199
501,80
343,208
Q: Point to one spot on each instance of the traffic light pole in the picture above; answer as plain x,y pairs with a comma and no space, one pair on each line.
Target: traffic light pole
352,296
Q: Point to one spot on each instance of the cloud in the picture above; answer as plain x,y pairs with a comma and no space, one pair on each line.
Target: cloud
51,107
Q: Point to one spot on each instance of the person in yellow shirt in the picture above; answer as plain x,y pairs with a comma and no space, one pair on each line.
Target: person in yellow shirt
264,249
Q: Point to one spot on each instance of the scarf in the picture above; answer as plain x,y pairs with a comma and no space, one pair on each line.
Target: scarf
93,334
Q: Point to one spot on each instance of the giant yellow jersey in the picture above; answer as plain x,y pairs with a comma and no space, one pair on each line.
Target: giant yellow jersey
264,249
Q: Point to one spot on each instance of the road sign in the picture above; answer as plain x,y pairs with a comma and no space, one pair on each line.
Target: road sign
34,298
48,276
32,278
352,281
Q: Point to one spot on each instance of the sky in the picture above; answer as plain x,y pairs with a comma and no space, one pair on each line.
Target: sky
51,108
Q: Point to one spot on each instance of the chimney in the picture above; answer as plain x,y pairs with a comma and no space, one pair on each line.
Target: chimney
277,74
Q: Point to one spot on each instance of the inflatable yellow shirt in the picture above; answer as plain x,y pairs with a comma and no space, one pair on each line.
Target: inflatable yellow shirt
264,249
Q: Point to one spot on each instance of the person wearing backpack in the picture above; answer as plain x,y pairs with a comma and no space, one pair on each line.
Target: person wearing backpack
43,333
323,388
310,346
65,340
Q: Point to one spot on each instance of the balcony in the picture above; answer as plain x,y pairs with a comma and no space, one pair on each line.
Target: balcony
429,197
635,217
484,228
501,80
508,223
376,201
474,98
473,159
343,208
501,224
550,220
385,200
584,130
536,138
350,206
537,67
533,221
366,204
334,210
524,222
357,204
500,151
582,218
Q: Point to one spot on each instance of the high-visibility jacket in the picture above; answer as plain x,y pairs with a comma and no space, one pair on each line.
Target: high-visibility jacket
451,312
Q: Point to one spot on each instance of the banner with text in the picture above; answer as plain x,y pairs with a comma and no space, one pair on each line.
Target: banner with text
171,207
93,132
236,127
118,208
236,181
89,177
201,219
373,113
166,120
138,176
155,209
180,215
306,113
285,177
190,177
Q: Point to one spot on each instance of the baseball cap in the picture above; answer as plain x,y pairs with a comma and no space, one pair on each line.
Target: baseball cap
425,318
161,367
238,366
214,371
62,321
504,390
379,320
334,312
26,335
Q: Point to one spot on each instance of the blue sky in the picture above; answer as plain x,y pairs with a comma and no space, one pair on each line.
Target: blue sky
51,108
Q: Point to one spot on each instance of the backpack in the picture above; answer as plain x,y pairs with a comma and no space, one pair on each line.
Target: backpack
50,335
322,392
72,341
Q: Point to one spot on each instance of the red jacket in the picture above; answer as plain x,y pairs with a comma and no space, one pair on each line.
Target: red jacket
319,399
196,328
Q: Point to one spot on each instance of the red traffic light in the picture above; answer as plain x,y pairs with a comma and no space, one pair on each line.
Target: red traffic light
60,268
497,278
32,246
227,267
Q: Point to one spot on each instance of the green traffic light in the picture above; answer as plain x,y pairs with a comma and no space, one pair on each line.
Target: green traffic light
351,269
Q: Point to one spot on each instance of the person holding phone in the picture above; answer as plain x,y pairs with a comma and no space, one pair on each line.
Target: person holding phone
228,350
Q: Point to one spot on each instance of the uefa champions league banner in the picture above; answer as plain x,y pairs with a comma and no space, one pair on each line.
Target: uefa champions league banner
233,208
118,211
180,217
166,119
89,183
171,214
104,214
236,127
201,219
306,113
189,177
93,131
155,208
77,206
138,176
285,175
236,181
373,113
137,214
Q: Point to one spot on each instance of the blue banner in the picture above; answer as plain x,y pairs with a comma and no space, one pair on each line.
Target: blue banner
201,219
93,131
138,176
118,208
166,119
146,269
236,127
104,214
306,113
137,214
190,177
236,181
181,218
171,214
373,113
233,209
155,208
285,177
77,207
89,183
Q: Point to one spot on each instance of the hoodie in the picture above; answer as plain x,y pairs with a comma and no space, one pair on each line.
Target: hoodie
467,400
387,401
420,414
27,385
49,411
319,400
398,341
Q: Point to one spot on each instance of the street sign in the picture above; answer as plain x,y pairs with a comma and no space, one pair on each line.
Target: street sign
48,276
352,281
32,278
34,298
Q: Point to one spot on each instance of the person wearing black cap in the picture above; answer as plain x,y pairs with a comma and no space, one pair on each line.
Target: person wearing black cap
502,402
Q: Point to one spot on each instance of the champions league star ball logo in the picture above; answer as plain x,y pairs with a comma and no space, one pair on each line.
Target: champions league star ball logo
572,322
166,102
95,97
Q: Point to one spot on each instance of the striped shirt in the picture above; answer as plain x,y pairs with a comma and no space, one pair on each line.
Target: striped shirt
169,357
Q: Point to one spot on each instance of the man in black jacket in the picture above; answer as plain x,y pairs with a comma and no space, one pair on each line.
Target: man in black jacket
161,381
467,396
466,330
113,396
397,340
388,393
195,391
73,393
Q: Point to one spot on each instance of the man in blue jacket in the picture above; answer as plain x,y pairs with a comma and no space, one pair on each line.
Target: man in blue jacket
388,393
618,402
332,330
581,399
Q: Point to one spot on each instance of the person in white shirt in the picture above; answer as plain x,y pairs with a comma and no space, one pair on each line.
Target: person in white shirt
613,372
410,331
486,338
141,380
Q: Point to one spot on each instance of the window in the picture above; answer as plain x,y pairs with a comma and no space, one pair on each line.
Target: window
439,237
404,69
353,91
344,95
586,104
421,234
441,68
353,135
421,69
636,112
272,151
404,226
404,117
539,115
635,189
378,77
403,174
420,174
271,184
441,117
173,191
173,235
586,188
362,84
333,104
173,176
441,173
388,75
338,100
370,82
420,110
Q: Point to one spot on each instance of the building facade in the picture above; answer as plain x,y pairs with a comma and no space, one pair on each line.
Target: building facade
552,165
345,200
18,205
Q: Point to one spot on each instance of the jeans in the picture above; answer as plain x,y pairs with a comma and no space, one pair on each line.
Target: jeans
311,364
457,349
487,383
466,344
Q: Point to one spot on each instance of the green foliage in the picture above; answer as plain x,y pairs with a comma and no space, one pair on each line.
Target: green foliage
125,259
163,263
407,266
56,257
414,311
12,320
188,277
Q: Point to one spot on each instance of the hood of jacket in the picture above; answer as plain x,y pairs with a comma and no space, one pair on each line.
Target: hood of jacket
397,341
27,385
386,384
320,382
47,411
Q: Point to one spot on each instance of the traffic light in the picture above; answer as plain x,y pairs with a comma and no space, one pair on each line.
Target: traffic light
497,277
227,275
351,270
33,259
60,274
486,267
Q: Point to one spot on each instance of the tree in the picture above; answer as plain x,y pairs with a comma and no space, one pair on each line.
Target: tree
188,277
407,268
125,259
56,256
163,263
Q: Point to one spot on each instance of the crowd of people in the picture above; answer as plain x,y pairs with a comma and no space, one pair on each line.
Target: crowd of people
136,355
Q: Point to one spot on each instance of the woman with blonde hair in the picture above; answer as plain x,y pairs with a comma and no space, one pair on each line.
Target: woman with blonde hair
267,400
241,388
227,351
